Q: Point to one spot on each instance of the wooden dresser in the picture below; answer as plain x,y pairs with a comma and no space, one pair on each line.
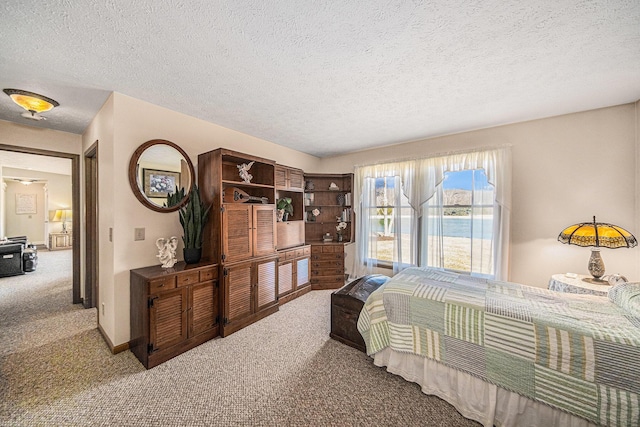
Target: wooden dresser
327,265
172,310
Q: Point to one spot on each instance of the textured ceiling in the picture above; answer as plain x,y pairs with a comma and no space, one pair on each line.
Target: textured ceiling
324,77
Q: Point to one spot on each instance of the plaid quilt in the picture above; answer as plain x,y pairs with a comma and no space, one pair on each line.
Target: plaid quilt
578,353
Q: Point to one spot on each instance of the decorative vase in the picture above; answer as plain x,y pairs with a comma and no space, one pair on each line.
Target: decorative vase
339,239
192,255
340,199
596,265
280,215
309,185
285,217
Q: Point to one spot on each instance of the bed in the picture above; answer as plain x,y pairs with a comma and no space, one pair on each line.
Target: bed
508,354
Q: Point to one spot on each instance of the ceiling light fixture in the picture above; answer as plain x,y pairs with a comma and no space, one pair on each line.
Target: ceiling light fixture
25,181
32,102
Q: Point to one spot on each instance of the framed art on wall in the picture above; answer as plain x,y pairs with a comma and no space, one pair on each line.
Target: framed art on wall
159,183
25,204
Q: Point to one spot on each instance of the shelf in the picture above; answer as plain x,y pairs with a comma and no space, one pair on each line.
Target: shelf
328,222
326,206
245,184
332,203
321,242
327,191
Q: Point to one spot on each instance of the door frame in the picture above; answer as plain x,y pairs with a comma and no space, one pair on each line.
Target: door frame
91,235
75,207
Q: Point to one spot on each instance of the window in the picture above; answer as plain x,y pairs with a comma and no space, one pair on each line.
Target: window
391,223
450,211
458,227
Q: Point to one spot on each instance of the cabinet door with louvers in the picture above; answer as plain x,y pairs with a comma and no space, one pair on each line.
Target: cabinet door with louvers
248,231
204,307
237,235
266,283
264,230
238,285
168,319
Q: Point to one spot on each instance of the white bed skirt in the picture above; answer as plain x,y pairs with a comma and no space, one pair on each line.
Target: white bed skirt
472,397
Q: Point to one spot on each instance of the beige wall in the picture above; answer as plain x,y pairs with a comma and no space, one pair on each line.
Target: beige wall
31,224
57,188
565,170
121,126
43,139
637,191
101,130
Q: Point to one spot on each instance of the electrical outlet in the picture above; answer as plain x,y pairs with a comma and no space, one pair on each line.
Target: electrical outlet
138,234
103,309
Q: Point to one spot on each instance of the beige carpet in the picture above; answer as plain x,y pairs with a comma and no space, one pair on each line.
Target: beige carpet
282,371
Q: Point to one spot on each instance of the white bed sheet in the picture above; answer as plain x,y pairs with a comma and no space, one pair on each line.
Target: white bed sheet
474,398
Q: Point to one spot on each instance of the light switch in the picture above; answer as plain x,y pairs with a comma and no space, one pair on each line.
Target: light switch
139,234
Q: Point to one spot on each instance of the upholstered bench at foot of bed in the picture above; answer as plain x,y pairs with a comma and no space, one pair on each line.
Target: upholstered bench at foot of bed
346,304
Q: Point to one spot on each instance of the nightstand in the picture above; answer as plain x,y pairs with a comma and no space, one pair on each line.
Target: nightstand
575,285
59,241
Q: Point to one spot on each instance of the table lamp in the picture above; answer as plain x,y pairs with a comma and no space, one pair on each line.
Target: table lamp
61,215
597,235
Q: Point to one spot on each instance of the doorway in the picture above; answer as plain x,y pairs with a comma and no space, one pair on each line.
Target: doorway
75,205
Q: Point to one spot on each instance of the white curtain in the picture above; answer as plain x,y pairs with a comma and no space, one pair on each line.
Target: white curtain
420,179
404,245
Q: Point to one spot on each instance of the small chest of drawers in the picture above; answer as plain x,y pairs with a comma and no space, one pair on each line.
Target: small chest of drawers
327,265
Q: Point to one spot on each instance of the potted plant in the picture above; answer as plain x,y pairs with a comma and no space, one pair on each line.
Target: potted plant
286,206
193,217
174,198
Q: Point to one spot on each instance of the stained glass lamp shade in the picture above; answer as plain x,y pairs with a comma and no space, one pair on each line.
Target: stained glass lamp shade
597,235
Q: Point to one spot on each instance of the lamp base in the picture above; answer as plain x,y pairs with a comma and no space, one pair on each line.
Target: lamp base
596,264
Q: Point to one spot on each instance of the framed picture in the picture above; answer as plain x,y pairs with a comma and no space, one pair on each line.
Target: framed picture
25,204
159,183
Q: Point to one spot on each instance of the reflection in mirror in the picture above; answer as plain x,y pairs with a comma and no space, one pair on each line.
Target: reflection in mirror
156,169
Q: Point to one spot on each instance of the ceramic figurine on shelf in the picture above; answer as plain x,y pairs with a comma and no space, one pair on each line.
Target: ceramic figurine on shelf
334,187
311,215
339,229
244,172
167,251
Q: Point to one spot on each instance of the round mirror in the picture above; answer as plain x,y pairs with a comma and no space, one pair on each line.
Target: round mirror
156,169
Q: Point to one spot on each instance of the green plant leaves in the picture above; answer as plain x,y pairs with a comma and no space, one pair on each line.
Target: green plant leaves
193,218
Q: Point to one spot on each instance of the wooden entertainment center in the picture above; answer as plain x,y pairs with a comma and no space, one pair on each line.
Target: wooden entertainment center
251,262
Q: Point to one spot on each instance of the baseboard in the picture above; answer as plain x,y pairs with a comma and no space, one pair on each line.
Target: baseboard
115,349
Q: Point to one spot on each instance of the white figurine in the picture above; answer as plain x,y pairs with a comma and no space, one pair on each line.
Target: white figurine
167,251
244,172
